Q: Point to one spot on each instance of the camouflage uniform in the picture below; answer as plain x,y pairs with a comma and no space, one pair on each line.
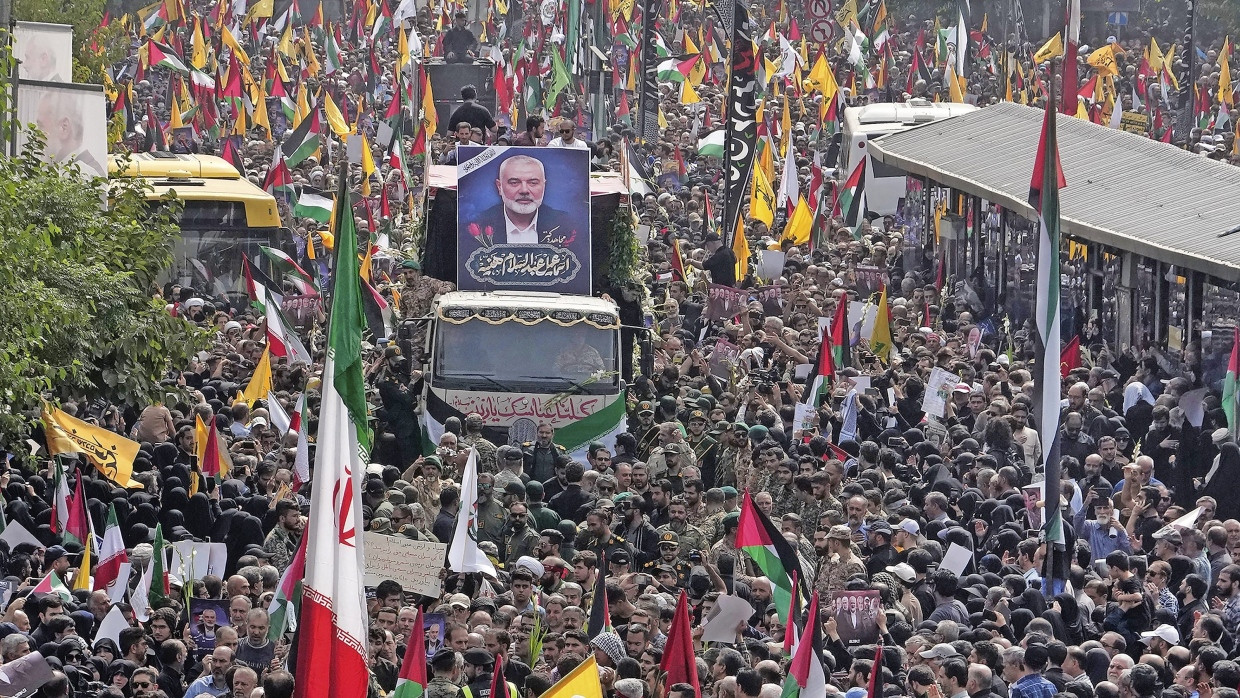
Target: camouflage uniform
833,572
440,687
491,519
690,538
697,517
488,458
415,302
786,501
744,469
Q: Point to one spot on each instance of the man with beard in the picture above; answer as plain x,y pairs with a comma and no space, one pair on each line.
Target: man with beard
688,537
705,448
520,539
542,457
521,218
669,549
634,528
213,683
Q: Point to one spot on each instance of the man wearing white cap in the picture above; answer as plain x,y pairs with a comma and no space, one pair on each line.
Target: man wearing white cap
907,535
1161,639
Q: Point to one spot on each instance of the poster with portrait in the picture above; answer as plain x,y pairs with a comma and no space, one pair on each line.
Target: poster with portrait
73,121
205,617
856,616
45,51
434,626
523,219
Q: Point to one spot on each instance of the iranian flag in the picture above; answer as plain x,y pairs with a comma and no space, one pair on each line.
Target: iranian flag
52,584
765,544
60,507
284,606
111,556
1229,383
331,654
301,463
411,682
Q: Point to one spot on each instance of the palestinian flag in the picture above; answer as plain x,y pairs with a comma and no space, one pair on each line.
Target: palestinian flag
765,544
285,266
284,606
279,181
1044,197
805,674
312,204
52,584
160,586
303,142
1229,383
77,528
411,681
851,202
162,56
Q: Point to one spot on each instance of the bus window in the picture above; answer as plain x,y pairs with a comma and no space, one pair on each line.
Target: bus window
512,357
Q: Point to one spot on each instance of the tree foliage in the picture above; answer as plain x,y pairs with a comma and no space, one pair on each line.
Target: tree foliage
77,315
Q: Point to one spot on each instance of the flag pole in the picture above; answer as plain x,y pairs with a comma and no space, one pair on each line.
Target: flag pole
1050,384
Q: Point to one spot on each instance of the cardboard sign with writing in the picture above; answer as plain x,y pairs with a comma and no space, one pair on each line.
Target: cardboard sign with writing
413,563
724,302
1134,122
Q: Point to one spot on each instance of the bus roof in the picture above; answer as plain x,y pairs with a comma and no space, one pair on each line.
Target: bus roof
164,164
260,207
889,116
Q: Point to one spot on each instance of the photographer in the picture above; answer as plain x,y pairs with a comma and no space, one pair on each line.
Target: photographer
398,392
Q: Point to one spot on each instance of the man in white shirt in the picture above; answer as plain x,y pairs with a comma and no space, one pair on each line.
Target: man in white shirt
567,137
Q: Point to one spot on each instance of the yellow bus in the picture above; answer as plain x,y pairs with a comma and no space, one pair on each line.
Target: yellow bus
224,215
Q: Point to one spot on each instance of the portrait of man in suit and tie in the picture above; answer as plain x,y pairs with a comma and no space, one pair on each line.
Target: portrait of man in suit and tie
856,616
522,216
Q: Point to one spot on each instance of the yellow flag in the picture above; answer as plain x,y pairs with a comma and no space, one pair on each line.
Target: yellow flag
823,79
880,336
81,580
303,104
335,119
200,451
762,203
1103,60
429,115
260,382
740,248
698,72
402,48
198,50
307,48
260,109
581,682
368,166
662,120
1081,111
1053,48
262,8
688,95
798,228
231,42
1224,75
1155,56
175,121
690,47
953,85
110,453
1169,59
286,42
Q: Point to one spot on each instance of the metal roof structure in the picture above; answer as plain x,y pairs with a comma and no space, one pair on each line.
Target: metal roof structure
1123,190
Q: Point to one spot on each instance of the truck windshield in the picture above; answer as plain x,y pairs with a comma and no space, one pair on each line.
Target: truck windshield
511,357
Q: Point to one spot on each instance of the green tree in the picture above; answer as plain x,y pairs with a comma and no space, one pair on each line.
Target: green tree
78,318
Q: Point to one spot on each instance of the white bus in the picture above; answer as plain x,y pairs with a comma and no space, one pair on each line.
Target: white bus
884,184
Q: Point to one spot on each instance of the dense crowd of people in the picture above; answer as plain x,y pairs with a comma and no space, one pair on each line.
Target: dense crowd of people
870,493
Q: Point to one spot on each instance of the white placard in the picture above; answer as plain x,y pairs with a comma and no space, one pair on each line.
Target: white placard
73,120
938,392
112,625
15,534
193,561
956,559
728,613
45,51
413,563
770,264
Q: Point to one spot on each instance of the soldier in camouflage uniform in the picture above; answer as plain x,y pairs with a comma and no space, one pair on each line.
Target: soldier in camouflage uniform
839,564
416,293
688,538
696,510
488,458
492,516
670,555
782,489
646,430
734,452
710,526
705,449
446,666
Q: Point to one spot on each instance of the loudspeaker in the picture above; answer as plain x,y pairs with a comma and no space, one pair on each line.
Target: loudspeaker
447,79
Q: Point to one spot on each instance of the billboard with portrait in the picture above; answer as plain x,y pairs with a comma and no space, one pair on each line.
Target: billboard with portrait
523,219
856,616
45,51
73,120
